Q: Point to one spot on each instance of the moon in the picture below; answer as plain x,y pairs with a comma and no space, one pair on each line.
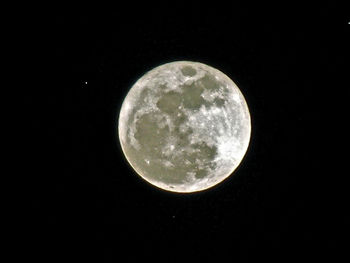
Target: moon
184,126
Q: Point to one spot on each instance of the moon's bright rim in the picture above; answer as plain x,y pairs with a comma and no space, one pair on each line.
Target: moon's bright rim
128,105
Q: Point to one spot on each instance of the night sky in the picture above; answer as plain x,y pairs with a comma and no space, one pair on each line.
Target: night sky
283,202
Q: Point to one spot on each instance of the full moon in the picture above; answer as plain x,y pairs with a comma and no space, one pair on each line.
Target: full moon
184,126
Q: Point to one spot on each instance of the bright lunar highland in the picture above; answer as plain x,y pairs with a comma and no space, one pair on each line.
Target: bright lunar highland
184,126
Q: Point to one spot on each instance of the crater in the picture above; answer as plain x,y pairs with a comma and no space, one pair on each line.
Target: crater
148,134
201,174
188,71
209,82
169,102
205,152
192,98
219,102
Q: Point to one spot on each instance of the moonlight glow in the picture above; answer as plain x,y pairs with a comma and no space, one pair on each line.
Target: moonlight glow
184,126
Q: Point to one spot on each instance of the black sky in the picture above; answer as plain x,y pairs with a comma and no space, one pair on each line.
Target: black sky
282,202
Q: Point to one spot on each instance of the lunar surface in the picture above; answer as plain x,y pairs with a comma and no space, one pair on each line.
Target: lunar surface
184,126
